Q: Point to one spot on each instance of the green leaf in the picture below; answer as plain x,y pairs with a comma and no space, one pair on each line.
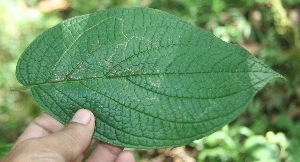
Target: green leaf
4,149
151,79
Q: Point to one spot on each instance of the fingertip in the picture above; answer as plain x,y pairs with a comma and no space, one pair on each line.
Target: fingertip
83,116
106,152
126,156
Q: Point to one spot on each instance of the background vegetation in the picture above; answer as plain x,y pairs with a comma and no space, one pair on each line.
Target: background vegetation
269,130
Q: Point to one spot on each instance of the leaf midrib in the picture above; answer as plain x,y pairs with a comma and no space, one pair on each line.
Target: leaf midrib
133,75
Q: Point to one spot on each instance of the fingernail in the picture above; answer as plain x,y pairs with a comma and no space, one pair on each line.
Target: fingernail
82,116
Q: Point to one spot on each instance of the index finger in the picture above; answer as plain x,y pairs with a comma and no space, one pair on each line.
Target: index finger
41,126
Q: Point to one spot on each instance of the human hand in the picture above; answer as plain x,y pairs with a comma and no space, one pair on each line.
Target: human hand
45,139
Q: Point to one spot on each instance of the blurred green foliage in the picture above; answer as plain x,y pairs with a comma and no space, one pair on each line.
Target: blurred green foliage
269,29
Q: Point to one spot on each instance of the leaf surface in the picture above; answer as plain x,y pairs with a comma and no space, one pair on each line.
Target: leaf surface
151,79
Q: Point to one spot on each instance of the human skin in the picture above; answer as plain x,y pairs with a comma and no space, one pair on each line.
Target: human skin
46,139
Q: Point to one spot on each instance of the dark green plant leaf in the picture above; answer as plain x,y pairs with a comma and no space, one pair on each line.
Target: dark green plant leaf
151,79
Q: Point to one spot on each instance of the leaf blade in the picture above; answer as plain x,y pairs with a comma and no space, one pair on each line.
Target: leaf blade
151,80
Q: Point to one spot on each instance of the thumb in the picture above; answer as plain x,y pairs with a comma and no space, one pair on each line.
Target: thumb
74,139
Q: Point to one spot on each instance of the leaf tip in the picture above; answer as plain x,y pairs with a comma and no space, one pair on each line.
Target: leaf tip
277,75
